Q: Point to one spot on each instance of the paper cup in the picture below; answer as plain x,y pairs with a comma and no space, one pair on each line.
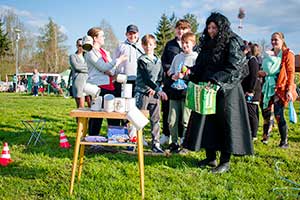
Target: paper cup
130,104
119,105
109,103
91,89
126,91
137,118
121,78
96,104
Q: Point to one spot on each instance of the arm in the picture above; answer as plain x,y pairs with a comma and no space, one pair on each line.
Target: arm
78,67
290,70
98,62
253,69
145,75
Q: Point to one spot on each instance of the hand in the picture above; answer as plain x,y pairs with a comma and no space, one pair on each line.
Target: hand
180,75
163,95
121,59
151,92
261,73
251,94
289,96
175,77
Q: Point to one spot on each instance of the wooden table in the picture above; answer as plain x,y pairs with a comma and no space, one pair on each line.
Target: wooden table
83,115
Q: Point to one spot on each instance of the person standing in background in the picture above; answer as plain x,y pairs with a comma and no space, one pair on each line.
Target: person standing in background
172,48
79,71
278,70
132,48
35,81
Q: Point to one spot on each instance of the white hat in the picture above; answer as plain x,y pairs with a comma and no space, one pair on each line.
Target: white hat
87,43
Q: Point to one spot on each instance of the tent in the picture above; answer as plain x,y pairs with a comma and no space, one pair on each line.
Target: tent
65,75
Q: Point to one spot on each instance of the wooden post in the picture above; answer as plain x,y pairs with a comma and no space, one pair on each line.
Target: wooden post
141,161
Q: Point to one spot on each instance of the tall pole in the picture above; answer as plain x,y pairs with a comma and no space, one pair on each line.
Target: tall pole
17,49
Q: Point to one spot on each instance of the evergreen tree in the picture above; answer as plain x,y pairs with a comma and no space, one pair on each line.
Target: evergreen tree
163,34
194,24
52,54
4,41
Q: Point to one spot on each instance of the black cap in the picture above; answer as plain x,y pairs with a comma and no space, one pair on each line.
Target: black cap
132,28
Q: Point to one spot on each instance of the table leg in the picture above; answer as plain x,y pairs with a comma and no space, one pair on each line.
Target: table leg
76,149
141,161
81,154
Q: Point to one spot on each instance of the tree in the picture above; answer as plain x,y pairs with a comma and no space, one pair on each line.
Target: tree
52,55
111,41
194,24
163,34
4,41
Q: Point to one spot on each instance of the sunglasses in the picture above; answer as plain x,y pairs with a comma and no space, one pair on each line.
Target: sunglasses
79,45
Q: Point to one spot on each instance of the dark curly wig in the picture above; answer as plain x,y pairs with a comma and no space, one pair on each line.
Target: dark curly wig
223,36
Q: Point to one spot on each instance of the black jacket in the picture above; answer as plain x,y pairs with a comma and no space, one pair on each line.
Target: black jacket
229,128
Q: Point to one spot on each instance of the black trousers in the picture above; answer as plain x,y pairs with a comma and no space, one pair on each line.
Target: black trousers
253,113
212,155
96,123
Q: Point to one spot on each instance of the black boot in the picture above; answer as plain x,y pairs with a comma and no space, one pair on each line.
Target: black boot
224,165
283,137
210,159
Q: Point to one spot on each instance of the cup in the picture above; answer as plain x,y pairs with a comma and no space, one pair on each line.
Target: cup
126,91
91,89
121,78
137,118
109,103
119,105
96,104
129,104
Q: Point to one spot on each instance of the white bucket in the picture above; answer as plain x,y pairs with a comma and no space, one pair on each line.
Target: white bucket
96,104
109,103
120,105
137,118
121,78
130,103
126,91
91,89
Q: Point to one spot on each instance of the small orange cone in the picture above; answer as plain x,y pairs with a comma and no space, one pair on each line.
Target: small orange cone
63,140
5,157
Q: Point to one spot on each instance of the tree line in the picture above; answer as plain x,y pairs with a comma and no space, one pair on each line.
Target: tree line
47,51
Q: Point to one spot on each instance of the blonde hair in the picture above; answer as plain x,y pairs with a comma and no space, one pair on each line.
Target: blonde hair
146,39
255,49
189,36
94,32
183,24
280,34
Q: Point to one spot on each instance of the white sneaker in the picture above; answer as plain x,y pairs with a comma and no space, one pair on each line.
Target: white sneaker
181,140
164,140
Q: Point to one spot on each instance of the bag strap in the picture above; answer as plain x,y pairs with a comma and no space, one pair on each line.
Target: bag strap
134,46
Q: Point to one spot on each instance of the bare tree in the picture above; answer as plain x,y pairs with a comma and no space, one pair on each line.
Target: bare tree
111,41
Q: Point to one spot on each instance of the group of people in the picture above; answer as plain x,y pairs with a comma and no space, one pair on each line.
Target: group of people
220,58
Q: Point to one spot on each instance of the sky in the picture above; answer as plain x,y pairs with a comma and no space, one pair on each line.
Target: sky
75,17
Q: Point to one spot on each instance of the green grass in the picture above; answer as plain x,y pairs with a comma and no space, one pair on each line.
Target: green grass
43,171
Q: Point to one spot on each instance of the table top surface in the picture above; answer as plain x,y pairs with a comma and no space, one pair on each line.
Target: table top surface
86,112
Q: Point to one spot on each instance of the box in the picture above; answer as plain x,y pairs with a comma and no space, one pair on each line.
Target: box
117,134
201,97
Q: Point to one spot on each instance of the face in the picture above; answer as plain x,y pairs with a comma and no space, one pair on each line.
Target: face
100,38
79,45
179,31
187,46
132,37
276,41
212,30
149,48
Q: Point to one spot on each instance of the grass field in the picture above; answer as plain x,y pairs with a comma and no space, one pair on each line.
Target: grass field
43,171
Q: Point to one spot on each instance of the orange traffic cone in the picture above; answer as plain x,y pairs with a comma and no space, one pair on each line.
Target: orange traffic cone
63,140
5,157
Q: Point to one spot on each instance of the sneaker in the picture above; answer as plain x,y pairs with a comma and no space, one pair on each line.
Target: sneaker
183,151
156,148
254,139
284,145
222,168
174,147
145,143
206,162
181,140
264,141
164,140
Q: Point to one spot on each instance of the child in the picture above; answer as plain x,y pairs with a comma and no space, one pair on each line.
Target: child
179,69
148,90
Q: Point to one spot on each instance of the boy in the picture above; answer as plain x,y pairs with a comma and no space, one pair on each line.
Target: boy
172,48
148,90
178,113
132,48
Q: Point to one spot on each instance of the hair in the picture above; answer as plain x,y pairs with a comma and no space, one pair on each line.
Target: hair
146,39
79,39
189,36
223,36
93,32
183,24
280,34
255,49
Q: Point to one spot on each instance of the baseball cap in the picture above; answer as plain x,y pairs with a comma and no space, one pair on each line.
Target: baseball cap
132,28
